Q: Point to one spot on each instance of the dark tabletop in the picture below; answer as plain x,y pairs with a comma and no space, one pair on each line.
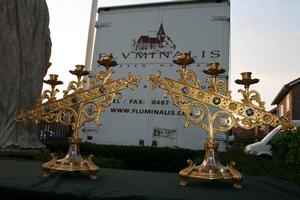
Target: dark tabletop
21,179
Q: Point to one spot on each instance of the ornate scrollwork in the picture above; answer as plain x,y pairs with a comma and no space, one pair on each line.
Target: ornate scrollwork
73,86
222,121
89,111
287,125
133,80
153,79
102,77
218,87
107,100
191,166
179,100
66,116
48,117
195,112
252,98
77,86
48,95
246,122
188,77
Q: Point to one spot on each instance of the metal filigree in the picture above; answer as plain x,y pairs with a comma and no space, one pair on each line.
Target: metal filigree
187,76
133,80
76,86
153,78
77,107
195,103
103,77
49,95
252,97
216,86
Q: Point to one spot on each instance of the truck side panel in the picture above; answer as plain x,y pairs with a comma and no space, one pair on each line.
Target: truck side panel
145,40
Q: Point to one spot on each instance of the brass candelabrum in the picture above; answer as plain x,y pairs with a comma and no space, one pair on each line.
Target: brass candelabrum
195,102
77,107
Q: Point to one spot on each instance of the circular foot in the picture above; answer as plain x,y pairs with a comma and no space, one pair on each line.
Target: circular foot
184,182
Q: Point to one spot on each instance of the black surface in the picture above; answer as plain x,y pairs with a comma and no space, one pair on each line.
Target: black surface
21,179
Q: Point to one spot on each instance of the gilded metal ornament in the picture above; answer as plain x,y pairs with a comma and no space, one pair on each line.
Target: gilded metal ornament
50,94
77,107
194,101
252,97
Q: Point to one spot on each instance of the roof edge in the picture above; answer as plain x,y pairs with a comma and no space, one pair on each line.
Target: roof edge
284,90
105,8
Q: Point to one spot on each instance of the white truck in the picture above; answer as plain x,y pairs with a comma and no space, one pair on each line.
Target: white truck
146,38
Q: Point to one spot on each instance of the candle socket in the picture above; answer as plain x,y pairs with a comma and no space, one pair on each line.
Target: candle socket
53,77
246,80
79,71
183,59
246,75
53,81
107,61
213,69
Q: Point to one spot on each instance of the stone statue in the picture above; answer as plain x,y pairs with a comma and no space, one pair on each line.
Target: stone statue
25,48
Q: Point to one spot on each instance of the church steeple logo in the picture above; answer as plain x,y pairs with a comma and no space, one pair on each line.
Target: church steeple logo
147,43
161,34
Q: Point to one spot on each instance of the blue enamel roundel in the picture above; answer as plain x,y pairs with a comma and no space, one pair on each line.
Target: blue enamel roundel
185,90
250,112
102,89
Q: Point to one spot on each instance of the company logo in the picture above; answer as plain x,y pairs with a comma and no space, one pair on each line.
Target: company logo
159,42
159,45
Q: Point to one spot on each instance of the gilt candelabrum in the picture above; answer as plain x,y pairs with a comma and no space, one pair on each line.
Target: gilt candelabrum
77,107
196,103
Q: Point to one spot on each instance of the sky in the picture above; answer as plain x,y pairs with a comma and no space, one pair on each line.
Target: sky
265,39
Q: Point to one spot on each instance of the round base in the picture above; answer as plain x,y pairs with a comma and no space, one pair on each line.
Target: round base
72,162
199,173
211,168
216,172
